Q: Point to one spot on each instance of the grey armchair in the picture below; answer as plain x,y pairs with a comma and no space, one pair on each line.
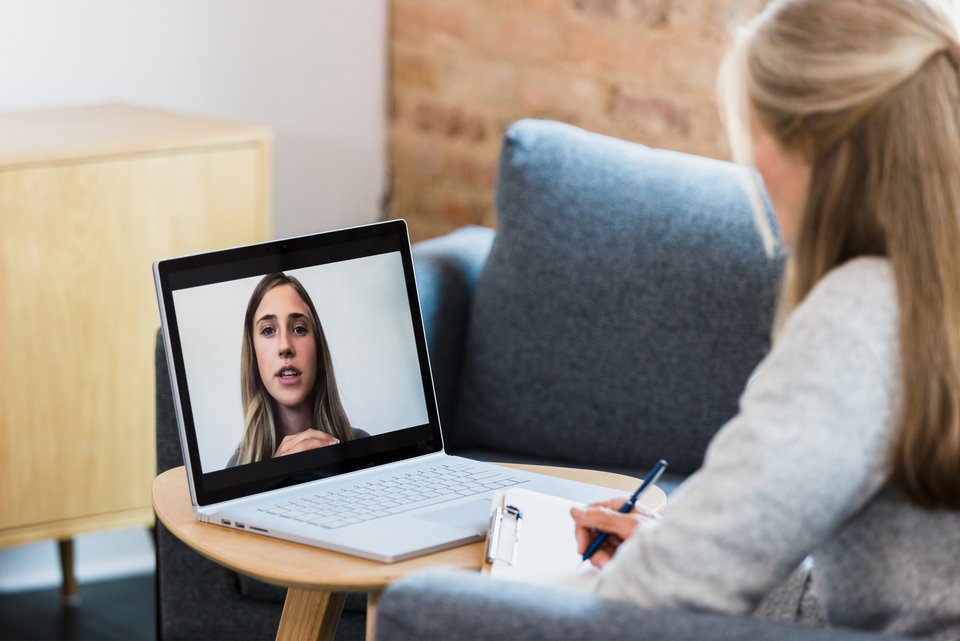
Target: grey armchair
612,319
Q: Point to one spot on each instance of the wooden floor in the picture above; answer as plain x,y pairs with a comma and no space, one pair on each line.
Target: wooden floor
120,609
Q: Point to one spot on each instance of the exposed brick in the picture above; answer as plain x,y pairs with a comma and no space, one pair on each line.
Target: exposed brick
477,80
561,92
460,211
421,227
394,110
662,114
448,24
450,121
407,20
476,172
418,159
444,209
546,6
413,70
462,71
649,13
714,18
436,163
543,6
599,49
684,63
689,15
529,38
439,25
603,8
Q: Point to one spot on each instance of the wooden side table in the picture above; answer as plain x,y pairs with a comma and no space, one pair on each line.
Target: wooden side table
317,580
89,198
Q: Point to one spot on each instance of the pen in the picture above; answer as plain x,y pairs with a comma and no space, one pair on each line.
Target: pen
651,478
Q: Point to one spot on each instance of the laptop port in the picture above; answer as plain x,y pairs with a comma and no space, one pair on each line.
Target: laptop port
258,529
241,526
225,521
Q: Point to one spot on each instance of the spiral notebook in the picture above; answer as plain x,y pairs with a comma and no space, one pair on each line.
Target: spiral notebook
531,540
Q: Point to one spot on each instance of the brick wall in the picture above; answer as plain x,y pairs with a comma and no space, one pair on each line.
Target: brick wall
462,70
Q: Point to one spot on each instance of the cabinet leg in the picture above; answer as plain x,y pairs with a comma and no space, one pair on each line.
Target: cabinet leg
70,589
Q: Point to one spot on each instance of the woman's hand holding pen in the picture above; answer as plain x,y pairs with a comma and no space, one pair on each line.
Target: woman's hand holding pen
605,517
309,439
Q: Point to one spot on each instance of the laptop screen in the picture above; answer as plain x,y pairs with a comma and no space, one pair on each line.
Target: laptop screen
297,359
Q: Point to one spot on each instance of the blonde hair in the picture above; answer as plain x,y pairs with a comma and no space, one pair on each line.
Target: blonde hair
260,438
868,91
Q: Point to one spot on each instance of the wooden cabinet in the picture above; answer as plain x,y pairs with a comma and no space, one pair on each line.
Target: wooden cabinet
89,198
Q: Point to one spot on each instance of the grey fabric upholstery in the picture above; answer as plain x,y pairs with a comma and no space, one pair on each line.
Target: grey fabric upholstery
625,302
443,605
448,269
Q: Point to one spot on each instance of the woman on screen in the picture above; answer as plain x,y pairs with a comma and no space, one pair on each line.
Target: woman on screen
287,385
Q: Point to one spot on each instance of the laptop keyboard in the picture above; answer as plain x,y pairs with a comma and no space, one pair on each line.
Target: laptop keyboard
400,493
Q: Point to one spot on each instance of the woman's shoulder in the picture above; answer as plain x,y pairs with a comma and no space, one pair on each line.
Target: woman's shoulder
860,294
854,304
861,279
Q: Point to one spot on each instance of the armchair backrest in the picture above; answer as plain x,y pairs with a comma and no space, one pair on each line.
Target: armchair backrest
624,304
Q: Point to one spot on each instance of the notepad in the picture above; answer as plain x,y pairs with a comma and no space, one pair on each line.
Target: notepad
531,540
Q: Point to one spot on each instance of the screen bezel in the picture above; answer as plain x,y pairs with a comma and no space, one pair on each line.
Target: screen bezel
283,255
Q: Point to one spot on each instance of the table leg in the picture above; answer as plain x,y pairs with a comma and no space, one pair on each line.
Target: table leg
373,598
310,614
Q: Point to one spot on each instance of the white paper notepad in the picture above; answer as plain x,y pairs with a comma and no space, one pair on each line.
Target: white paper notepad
538,544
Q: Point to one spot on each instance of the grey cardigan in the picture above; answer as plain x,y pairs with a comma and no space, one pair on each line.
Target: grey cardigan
800,471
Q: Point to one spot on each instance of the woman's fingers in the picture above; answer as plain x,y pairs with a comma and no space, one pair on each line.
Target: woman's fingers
586,536
310,439
605,517
604,555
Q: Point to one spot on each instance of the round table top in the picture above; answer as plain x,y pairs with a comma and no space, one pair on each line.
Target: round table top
302,566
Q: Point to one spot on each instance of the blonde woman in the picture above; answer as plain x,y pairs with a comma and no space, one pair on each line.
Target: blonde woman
287,384
847,443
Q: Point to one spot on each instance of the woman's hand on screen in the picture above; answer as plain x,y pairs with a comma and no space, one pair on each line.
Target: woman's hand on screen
306,440
605,516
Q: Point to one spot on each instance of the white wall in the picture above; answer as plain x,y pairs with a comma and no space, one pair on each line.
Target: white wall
313,70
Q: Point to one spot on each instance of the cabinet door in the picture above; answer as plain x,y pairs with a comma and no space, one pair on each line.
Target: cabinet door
79,315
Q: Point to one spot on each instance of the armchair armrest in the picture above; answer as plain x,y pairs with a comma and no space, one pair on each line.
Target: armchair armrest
448,269
443,604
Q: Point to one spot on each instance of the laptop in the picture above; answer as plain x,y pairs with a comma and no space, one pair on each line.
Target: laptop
305,402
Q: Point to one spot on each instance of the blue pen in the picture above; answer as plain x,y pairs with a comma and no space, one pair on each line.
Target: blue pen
651,478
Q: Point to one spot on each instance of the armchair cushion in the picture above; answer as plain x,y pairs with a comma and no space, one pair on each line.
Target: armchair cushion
447,269
625,302
441,604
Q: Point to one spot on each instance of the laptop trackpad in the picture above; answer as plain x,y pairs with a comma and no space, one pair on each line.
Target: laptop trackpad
472,516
